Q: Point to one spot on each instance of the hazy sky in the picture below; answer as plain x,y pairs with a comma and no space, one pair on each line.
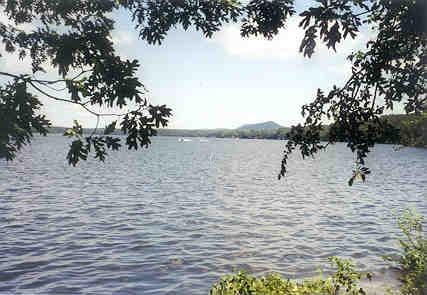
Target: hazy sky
222,82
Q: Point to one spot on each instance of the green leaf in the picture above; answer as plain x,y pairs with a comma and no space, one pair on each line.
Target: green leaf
110,128
69,133
350,181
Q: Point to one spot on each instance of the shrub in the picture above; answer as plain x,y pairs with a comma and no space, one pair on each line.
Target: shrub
412,261
343,281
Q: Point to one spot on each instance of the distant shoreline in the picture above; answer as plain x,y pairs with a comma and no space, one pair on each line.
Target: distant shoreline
279,134
412,131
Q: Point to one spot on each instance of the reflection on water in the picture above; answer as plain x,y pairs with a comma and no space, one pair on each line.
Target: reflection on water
174,218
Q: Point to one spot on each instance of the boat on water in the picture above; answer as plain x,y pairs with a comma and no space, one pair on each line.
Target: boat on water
184,140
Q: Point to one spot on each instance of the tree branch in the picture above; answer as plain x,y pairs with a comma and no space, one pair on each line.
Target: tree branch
10,75
83,105
60,80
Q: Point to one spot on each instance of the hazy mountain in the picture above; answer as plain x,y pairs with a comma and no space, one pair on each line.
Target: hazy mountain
259,126
412,129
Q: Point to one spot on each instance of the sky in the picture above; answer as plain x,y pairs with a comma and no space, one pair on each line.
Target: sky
222,82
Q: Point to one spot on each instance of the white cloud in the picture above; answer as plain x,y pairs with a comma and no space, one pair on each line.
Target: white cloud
123,38
284,46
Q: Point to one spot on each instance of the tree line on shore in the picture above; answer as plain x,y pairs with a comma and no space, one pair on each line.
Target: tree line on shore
409,130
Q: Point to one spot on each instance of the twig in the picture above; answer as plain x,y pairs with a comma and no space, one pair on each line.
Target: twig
10,75
96,127
83,105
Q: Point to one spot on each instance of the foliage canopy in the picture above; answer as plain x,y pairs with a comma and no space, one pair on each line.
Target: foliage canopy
74,36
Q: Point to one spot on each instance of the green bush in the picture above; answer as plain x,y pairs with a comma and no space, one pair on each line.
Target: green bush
412,261
343,281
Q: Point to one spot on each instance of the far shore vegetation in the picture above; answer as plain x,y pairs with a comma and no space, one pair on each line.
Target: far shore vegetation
409,130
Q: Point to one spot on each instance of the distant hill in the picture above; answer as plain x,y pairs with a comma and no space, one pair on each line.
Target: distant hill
260,126
413,131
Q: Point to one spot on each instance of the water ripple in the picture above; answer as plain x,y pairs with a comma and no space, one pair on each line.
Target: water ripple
174,218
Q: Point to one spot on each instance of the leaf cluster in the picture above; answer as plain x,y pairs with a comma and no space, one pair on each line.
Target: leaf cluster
412,261
392,70
19,118
343,281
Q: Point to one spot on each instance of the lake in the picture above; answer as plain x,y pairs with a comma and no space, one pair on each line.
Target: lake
173,218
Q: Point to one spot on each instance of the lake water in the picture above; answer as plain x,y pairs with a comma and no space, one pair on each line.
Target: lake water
174,218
